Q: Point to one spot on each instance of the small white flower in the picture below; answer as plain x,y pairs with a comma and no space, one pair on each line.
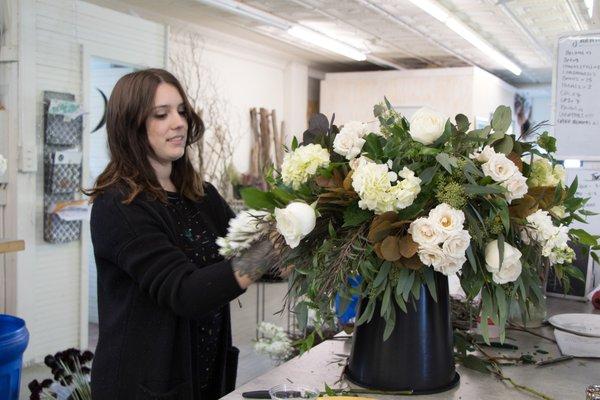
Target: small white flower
499,167
456,244
511,266
447,219
390,164
516,187
392,176
427,125
349,141
424,232
299,165
295,221
484,155
247,227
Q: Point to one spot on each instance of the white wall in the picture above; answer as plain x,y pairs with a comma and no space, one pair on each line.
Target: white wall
467,90
52,285
247,75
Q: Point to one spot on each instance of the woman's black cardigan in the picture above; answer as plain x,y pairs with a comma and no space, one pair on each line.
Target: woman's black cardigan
149,293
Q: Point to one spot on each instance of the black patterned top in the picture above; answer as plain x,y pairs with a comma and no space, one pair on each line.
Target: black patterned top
197,240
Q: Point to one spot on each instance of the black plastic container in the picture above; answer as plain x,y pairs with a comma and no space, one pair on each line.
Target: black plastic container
417,356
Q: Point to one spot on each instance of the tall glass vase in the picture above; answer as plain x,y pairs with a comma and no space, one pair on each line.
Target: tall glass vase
417,356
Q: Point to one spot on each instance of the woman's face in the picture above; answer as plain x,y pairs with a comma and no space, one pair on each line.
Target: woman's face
167,126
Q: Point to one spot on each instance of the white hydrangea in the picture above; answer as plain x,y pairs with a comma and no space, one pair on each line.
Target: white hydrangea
247,227
298,166
273,342
374,187
349,141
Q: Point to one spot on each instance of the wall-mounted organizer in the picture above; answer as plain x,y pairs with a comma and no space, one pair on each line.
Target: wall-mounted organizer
63,126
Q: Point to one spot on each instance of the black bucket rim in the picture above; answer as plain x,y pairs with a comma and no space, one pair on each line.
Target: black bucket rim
451,385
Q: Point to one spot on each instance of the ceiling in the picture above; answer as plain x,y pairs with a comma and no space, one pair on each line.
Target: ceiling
399,32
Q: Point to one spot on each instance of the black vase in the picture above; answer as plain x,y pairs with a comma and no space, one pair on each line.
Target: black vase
417,356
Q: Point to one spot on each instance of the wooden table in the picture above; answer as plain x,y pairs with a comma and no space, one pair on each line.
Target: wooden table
564,380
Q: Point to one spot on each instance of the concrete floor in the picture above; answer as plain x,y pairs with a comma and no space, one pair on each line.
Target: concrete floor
243,315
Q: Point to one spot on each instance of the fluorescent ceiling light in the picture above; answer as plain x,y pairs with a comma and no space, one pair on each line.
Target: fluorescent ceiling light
589,4
297,31
249,12
326,42
482,45
433,9
442,15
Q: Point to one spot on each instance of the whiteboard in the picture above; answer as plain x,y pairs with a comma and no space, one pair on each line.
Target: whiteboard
576,96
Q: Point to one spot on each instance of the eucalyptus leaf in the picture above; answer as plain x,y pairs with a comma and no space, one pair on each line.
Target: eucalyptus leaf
501,119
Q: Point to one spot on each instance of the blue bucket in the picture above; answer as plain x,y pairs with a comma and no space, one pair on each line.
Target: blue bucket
13,342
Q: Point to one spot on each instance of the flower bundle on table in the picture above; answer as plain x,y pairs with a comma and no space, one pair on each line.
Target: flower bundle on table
398,202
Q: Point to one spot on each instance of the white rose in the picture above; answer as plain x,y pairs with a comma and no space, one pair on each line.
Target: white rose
450,265
349,142
447,219
295,221
484,155
456,245
516,187
510,269
427,125
499,167
431,255
423,232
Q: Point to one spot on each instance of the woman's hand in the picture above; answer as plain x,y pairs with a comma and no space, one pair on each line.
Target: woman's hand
253,263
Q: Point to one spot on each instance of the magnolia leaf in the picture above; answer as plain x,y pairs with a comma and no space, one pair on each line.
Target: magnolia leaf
257,199
407,246
390,248
516,159
377,249
524,207
348,181
501,119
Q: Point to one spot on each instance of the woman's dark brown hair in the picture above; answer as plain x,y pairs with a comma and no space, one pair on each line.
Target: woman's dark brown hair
129,170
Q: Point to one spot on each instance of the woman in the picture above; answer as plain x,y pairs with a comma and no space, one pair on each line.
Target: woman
163,289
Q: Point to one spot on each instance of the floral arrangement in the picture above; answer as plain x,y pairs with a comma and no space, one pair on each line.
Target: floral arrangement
401,202
71,377
273,342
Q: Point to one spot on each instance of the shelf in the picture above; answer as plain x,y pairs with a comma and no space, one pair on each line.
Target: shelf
9,246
